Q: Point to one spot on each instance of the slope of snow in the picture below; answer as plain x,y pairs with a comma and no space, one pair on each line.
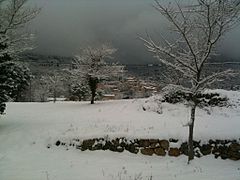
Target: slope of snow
28,128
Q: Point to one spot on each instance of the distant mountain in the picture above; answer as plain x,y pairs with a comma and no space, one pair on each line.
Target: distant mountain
41,64
39,58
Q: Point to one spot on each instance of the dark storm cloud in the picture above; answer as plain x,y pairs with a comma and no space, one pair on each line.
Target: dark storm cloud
65,26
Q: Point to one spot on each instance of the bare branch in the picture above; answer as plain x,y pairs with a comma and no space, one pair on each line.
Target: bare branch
15,14
200,27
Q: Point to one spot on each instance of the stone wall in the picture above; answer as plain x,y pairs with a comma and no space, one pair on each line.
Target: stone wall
225,149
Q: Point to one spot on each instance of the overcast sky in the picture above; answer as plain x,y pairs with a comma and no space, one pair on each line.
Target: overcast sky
64,26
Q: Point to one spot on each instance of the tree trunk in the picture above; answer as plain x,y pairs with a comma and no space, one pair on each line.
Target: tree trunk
190,137
30,91
42,98
79,98
93,97
54,95
93,82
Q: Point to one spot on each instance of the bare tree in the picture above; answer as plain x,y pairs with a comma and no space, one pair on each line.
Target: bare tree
14,15
92,66
198,27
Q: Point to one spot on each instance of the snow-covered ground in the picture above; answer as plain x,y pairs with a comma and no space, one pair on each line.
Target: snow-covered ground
28,128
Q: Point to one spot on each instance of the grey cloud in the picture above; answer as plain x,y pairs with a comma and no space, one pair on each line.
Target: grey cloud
65,26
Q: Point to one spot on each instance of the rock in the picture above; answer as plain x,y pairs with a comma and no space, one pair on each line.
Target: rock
197,153
222,142
206,149
173,140
234,155
212,142
224,156
184,148
234,159
107,146
147,151
215,150
132,149
112,147
123,144
97,147
216,156
196,144
225,149
154,145
87,144
159,151
58,143
136,141
83,148
144,143
174,152
78,147
164,144
100,139
120,149
234,147
153,141
115,142
222,149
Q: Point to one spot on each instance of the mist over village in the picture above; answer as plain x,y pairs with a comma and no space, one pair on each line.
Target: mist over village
119,90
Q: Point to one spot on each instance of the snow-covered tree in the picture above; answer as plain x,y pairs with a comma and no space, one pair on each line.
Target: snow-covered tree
40,88
93,66
76,85
16,79
198,28
81,90
49,85
55,81
14,15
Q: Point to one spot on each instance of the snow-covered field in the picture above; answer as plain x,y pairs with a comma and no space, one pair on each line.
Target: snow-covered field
28,128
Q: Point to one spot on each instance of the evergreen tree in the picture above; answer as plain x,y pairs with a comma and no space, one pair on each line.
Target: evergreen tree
14,77
81,91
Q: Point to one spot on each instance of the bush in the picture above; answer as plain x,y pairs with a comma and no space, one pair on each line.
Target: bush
206,99
153,104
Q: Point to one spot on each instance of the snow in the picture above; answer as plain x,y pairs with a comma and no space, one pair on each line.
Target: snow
74,165
57,99
109,95
28,128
